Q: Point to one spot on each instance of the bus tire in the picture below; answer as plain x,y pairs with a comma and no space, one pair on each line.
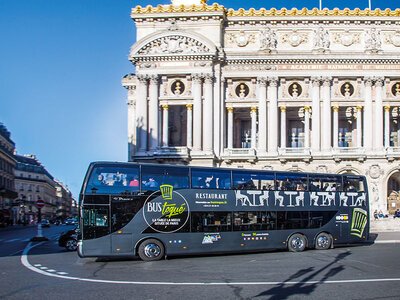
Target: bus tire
323,241
151,250
297,243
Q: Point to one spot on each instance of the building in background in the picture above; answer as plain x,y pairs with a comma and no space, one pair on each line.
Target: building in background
298,90
7,165
33,182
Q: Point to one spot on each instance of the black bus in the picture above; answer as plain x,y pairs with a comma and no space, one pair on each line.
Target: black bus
154,210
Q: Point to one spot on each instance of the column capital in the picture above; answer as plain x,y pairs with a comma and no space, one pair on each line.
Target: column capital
316,81
197,78
335,108
387,108
326,80
379,81
165,106
262,81
230,109
253,109
283,108
142,78
208,78
368,81
189,106
273,81
359,108
154,79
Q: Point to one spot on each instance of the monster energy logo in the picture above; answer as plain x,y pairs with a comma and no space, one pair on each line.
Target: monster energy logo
358,222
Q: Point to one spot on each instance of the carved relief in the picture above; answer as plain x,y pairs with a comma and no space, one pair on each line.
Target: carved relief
321,39
294,38
372,40
392,38
240,39
375,171
346,38
174,45
268,39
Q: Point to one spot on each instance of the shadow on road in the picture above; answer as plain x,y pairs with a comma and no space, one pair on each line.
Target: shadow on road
303,286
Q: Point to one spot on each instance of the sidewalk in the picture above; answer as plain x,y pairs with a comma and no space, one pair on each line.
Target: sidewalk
16,227
385,225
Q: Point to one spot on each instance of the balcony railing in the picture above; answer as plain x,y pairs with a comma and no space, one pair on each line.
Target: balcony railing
173,151
294,151
235,152
348,150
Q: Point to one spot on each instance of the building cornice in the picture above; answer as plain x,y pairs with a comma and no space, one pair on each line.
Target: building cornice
138,10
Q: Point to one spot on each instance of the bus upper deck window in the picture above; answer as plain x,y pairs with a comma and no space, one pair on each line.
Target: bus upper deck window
113,180
211,179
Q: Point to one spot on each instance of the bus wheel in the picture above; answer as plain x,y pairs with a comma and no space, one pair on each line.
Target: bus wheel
297,242
323,241
151,250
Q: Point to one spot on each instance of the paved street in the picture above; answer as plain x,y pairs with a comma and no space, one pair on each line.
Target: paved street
46,271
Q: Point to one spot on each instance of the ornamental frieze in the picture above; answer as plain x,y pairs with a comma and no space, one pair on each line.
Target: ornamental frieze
347,38
174,44
392,38
294,38
241,39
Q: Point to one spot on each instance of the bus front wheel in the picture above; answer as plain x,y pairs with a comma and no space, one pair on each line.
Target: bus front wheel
151,250
323,241
297,242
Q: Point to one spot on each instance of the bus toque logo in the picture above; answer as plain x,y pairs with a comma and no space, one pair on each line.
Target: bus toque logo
166,210
166,191
359,221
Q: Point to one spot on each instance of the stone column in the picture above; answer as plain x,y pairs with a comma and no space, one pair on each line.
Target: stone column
368,114
165,126
335,126
316,107
387,126
359,126
153,113
208,114
283,127
262,114
230,127
326,130
131,128
273,115
189,127
378,114
141,113
253,114
197,112
306,127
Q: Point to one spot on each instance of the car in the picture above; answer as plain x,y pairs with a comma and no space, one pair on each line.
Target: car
70,222
69,239
45,223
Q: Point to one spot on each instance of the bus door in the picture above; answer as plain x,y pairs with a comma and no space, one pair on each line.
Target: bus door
96,229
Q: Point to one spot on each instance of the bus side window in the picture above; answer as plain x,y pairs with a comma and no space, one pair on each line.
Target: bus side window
210,179
291,182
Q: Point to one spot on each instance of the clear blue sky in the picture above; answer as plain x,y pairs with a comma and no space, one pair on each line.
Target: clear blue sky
61,64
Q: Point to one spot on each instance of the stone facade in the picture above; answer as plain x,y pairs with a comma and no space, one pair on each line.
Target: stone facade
299,90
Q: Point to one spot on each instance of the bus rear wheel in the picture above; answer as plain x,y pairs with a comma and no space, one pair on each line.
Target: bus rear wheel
323,241
151,250
297,243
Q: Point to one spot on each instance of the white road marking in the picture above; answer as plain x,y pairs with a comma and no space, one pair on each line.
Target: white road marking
62,273
25,263
44,268
13,240
387,242
51,270
37,265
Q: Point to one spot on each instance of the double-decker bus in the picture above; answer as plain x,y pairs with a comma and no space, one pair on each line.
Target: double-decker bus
154,210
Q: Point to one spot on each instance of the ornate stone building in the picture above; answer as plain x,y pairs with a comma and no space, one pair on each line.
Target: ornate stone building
300,90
